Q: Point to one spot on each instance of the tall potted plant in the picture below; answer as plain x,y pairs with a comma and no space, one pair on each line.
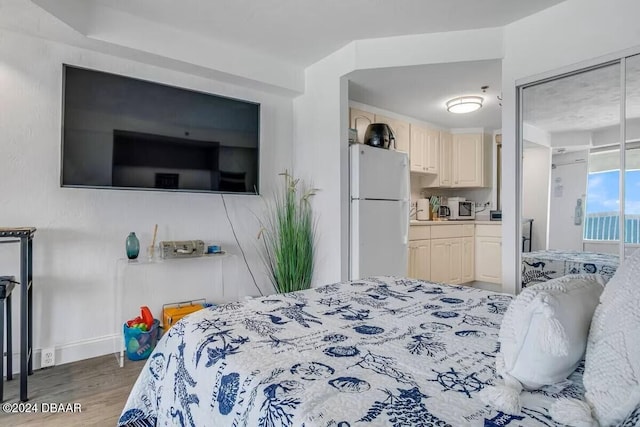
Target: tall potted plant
289,236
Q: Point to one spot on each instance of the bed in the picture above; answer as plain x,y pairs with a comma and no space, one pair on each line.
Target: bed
377,352
543,265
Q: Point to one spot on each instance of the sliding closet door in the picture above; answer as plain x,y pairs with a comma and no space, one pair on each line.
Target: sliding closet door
589,121
632,155
571,161
591,216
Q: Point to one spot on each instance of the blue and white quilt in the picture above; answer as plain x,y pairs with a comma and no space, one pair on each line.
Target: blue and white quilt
543,265
377,352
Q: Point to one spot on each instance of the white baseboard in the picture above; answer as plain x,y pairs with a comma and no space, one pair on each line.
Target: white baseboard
74,351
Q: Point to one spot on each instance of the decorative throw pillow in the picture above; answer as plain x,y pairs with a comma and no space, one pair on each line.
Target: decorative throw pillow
543,337
612,363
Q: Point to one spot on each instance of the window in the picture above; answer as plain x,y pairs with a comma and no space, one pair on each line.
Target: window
602,214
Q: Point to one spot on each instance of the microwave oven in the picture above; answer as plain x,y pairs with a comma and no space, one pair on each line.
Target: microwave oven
461,209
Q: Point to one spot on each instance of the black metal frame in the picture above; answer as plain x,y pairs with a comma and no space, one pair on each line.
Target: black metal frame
7,283
25,237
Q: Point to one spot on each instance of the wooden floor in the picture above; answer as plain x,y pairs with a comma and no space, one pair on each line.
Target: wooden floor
99,385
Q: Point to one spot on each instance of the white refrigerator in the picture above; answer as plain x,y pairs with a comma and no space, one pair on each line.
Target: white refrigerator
379,212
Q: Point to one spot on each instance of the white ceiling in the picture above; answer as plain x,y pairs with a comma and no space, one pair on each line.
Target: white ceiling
583,102
301,32
422,91
304,31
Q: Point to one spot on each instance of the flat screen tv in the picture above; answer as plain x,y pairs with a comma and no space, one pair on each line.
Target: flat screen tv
121,132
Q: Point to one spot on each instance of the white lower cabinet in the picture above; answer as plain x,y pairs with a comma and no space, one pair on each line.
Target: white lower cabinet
468,255
447,260
440,260
488,263
442,253
451,253
419,252
419,259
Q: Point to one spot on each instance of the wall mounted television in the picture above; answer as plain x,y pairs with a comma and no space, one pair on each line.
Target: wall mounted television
127,133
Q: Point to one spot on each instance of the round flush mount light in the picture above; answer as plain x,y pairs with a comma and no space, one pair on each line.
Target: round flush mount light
464,104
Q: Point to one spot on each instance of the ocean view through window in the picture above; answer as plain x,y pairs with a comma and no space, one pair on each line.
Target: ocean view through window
602,217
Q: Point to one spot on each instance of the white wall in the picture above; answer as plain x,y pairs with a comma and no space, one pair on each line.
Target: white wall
81,232
572,32
321,121
536,170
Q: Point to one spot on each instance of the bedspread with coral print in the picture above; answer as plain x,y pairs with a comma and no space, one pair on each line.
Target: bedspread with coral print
378,352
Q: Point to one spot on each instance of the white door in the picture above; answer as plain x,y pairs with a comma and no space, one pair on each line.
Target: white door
379,234
377,173
568,184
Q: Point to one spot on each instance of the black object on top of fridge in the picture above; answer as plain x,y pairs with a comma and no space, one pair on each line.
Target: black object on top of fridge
379,135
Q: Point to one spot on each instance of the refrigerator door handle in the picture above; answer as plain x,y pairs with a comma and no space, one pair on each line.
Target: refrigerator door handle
405,222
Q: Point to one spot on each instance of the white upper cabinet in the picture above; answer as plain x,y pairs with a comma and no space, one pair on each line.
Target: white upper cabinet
446,158
416,152
401,130
468,160
359,120
464,161
432,151
425,150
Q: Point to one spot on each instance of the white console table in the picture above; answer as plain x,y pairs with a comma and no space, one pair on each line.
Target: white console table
158,282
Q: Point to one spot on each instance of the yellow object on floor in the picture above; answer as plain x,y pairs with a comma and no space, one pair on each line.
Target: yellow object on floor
171,313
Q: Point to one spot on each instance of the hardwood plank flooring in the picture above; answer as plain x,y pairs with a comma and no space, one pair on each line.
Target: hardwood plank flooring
99,385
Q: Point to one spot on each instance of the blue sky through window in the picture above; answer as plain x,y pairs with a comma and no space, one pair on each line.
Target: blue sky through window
602,221
603,195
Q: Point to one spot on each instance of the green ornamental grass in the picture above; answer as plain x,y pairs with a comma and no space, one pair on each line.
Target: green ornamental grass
289,235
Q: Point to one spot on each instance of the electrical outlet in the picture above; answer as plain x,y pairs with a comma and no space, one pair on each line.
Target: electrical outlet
47,357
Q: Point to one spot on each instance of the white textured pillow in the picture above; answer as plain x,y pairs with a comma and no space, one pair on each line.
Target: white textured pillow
612,368
543,336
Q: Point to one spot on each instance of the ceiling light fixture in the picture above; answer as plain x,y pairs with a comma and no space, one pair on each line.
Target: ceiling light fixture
464,104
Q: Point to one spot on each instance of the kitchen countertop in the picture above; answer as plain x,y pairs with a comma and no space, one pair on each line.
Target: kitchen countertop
446,222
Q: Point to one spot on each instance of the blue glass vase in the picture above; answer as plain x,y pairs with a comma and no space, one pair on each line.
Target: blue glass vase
132,245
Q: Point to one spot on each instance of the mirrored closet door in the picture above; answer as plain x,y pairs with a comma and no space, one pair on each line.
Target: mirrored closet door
632,155
573,195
